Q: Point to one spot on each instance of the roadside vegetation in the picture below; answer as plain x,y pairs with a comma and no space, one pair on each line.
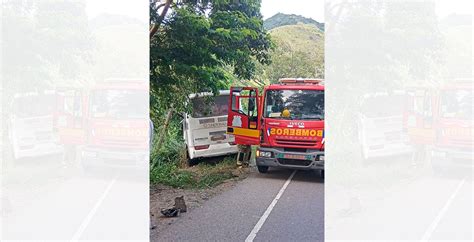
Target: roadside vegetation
209,45
197,46
203,175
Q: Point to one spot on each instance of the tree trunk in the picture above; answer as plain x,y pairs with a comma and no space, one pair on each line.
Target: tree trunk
155,27
162,134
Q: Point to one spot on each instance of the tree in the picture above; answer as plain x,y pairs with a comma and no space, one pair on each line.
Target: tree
199,45
31,29
159,11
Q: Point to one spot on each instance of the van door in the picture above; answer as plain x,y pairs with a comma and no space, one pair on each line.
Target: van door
243,115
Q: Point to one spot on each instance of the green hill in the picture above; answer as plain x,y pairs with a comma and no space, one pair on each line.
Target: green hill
301,37
281,19
299,52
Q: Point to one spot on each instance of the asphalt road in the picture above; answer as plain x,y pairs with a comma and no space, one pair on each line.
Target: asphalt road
269,206
414,205
51,201
42,200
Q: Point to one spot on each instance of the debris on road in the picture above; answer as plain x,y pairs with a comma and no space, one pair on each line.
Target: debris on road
180,204
178,208
171,212
162,196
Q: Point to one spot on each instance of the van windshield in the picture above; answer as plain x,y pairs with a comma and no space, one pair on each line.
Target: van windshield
210,106
383,106
34,106
294,104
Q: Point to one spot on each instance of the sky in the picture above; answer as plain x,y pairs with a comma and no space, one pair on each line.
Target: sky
308,8
131,8
139,8
445,8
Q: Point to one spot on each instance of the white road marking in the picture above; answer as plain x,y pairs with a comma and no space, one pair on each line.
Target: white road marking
442,212
91,214
265,215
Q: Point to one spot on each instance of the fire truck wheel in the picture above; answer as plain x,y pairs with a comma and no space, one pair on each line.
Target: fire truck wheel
262,169
321,173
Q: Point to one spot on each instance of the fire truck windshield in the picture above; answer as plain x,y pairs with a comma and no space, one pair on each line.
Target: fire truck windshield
457,104
294,104
119,104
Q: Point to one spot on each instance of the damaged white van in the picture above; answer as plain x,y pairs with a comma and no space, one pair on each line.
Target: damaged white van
204,129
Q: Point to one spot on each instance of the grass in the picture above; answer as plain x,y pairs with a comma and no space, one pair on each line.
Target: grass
169,164
203,175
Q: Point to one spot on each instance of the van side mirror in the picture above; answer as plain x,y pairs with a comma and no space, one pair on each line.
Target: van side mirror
181,115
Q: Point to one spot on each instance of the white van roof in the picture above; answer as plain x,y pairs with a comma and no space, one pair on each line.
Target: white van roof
203,94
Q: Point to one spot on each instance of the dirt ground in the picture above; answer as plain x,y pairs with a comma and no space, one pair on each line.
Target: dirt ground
162,197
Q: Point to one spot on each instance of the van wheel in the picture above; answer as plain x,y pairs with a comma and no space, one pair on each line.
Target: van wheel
189,162
193,162
262,169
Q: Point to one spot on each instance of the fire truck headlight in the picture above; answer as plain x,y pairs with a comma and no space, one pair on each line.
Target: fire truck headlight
266,154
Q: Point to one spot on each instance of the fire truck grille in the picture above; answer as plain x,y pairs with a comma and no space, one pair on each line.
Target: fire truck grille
294,162
467,142
123,143
304,143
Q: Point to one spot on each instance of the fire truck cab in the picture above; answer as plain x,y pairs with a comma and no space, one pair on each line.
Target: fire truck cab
452,146
108,125
439,120
286,122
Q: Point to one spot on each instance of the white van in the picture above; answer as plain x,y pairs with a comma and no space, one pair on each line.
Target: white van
380,125
31,125
204,129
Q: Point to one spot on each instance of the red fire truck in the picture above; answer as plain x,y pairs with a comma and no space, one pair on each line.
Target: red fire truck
439,121
286,122
108,124
454,124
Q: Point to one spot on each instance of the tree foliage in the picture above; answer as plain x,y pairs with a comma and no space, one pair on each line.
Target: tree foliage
201,45
30,29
